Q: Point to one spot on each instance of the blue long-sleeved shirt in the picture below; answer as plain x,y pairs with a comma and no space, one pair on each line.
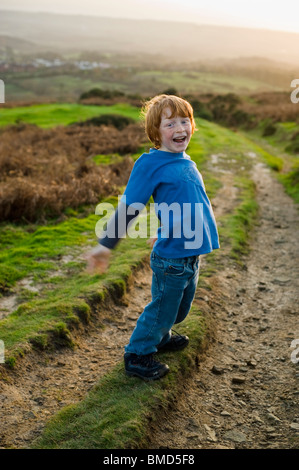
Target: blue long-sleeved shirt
188,225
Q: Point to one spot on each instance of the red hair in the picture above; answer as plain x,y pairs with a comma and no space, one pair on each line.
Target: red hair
152,111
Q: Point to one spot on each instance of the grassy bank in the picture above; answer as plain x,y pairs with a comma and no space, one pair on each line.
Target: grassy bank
116,413
67,295
237,227
280,152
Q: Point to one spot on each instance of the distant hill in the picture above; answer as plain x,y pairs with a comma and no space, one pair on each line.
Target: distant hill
19,45
178,41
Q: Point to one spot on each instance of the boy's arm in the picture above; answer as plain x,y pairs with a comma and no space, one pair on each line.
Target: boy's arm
117,226
98,258
139,190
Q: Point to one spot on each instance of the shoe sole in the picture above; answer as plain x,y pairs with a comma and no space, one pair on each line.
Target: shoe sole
146,379
164,348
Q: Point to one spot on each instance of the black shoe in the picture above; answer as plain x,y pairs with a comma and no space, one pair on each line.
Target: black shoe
144,367
176,343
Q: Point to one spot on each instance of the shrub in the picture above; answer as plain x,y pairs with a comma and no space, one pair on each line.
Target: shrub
222,106
45,171
200,110
98,93
293,147
170,91
115,120
270,129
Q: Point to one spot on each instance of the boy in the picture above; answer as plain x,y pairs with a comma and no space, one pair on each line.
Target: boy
169,175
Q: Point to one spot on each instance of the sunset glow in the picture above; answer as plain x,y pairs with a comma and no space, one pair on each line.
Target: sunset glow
262,14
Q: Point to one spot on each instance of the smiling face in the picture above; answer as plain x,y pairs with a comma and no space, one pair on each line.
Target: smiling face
175,132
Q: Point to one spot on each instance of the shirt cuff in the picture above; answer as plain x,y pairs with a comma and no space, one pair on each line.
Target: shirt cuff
117,226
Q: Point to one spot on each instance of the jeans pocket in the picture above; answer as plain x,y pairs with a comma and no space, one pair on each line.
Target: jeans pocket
176,270
156,262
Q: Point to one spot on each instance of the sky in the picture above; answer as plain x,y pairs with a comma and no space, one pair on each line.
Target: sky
281,15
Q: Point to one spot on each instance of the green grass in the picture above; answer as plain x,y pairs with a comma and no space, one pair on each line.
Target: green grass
212,138
51,115
24,252
60,298
235,228
277,143
115,413
107,159
71,302
290,180
282,137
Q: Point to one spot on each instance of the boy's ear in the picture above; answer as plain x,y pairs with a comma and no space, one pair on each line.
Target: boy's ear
157,139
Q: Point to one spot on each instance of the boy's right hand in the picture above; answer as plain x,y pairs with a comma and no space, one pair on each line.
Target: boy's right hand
98,260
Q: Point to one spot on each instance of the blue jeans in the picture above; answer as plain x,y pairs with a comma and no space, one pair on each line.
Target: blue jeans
173,288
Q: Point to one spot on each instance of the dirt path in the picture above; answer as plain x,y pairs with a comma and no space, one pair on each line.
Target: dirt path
245,394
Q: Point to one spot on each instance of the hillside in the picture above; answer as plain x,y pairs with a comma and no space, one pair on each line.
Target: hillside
197,42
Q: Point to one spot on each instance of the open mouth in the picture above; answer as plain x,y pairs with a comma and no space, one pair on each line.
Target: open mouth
180,140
